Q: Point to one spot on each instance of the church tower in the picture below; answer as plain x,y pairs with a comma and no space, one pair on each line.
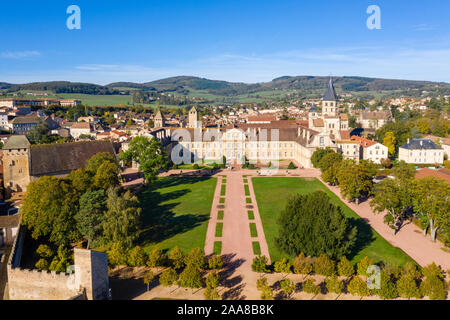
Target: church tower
159,120
329,101
193,118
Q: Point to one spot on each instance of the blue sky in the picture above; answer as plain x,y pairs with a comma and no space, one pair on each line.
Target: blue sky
241,41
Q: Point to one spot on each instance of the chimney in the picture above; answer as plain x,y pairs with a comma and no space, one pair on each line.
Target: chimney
408,141
421,142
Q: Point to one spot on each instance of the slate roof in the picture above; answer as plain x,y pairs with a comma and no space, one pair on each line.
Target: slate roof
26,120
17,142
64,157
330,94
422,144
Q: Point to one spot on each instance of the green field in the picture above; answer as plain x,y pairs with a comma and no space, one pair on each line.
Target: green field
271,196
176,212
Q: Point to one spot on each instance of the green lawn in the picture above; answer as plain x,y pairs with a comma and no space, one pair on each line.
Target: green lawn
222,190
247,190
251,215
219,228
256,248
220,214
253,231
271,196
176,212
248,200
217,247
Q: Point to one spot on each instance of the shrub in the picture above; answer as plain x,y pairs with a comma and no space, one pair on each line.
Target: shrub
407,287
287,286
324,265
363,265
292,166
44,251
196,258
261,283
195,166
191,277
432,270
215,262
302,264
156,258
62,260
176,257
137,257
334,285
388,288
345,268
310,287
434,287
211,294
357,287
168,277
283,266
267,293
118,254
42,264
260,264
212,280
411,269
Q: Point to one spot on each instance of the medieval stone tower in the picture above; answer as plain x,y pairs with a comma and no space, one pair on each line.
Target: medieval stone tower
193,118
16,163
329,101
159,121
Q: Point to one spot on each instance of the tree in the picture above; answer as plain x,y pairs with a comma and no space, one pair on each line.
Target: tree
324,266
363,265
329,160
357,287
94,163
176,257
404,171
49,209
355,180
389,142
282,266
90,215
148,278
211,294
215,262
107,176
261,283
122,219
260,264
62,260
407,287
431,203
345,268
196,258
287,286
118,254
302,264
334,285
191,277
42,264
411,269
310,287
318,155
331,174
292,166
212,280
137,257
434,287
393,196
388,289
44,251
312,224
149,154
156,258
80,180
168,277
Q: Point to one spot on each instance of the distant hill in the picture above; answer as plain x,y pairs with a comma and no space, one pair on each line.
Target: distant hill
64,87
306,84
4,85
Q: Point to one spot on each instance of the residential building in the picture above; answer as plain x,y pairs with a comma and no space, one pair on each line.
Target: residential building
371,150
421,151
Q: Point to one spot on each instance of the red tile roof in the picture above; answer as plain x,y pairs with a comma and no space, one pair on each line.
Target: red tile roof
363,141
425,172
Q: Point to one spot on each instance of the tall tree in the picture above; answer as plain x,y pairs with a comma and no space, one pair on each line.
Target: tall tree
431,203
355,180
149,154
90,215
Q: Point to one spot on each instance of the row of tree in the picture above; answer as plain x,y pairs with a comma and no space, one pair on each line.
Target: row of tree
388,282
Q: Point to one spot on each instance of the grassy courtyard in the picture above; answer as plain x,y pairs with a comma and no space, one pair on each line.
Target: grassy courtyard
271,196
176,212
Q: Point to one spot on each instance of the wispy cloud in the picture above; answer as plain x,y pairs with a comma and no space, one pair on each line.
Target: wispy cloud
19,54
423,27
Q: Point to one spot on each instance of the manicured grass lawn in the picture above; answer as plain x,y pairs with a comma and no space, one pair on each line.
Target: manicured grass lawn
251,215
223,190
271,197
175,212
256,248
245,180
219,228
248,200
218,247
222,200
224,180
220,214
253,231
247,190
